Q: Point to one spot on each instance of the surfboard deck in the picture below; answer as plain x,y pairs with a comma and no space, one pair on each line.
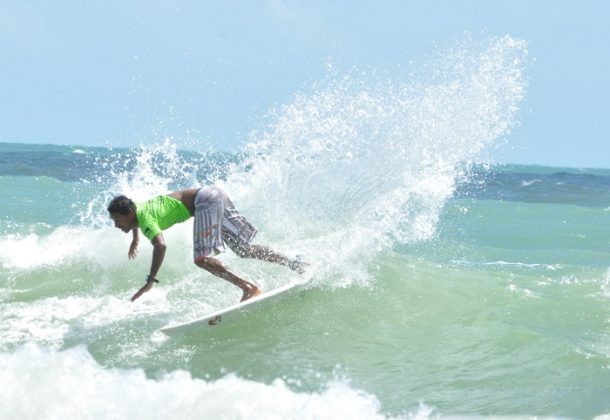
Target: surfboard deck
231,313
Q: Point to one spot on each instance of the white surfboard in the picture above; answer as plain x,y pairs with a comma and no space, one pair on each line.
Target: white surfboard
231,313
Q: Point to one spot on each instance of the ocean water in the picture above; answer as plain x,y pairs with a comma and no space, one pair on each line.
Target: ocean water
439,285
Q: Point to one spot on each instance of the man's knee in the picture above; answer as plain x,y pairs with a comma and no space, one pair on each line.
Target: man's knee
202,262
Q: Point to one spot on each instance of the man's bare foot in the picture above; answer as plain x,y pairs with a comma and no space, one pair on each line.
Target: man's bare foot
250,292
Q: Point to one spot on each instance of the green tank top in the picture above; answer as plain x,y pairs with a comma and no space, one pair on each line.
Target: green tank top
160,213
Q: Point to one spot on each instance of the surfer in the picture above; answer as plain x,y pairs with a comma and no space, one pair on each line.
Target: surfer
217,223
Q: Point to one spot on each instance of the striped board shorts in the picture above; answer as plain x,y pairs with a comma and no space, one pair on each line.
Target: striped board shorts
217,222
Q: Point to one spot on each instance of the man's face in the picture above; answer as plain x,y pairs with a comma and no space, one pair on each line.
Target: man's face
123,221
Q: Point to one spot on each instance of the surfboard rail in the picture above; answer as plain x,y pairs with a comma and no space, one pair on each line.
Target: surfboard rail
217,318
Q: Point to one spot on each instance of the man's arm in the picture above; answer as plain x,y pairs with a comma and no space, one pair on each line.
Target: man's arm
133,248
158,255
157,259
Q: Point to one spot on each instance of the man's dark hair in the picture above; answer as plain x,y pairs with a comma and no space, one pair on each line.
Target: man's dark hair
121,205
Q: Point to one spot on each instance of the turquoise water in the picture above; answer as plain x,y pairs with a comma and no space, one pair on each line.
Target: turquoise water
438,286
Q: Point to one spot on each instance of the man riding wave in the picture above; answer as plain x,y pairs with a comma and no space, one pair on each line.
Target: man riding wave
217,223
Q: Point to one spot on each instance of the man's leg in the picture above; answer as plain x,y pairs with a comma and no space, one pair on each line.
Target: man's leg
237,232
264,253
209,212
215,266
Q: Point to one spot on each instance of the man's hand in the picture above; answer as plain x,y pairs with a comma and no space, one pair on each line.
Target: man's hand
142,290
133,250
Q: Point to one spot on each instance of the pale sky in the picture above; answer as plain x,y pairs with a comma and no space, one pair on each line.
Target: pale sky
125,72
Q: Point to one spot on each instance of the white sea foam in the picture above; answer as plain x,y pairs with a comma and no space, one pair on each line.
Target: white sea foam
52,320
61,245
36,383
39,383
531,182
102,247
